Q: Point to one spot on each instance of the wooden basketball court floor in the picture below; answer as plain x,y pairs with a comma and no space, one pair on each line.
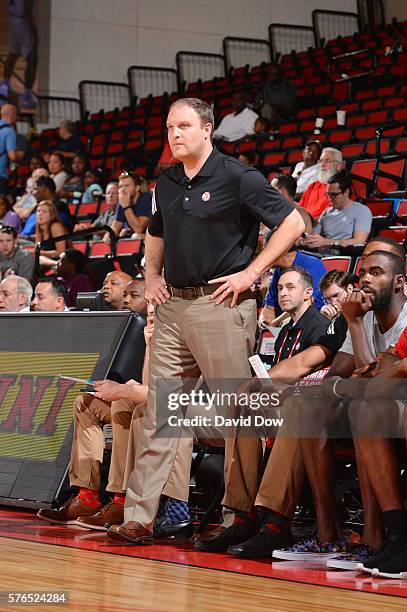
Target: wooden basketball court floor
101,575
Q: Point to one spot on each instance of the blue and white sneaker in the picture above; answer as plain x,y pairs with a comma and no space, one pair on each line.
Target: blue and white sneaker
311,550
349,561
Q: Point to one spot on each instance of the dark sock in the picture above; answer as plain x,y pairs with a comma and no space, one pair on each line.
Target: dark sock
276,522
395,522
244,518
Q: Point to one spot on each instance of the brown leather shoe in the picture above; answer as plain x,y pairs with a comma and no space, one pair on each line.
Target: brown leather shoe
68,513
109,515
135,533
208,535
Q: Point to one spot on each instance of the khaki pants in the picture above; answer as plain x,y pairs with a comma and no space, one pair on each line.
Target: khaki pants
191,337
281,485
88,442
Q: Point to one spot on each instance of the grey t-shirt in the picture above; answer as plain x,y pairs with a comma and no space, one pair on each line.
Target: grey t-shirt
22,263
342,224
378,342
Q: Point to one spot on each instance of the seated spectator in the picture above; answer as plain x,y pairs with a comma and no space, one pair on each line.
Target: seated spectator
50,295
133,296
74,186
13,259
248,158
167,160
278,95
109,214
134,207
25,205
7,215
262,129
93,189
238,124
48,226
36,162
69,142
71,267
113,289
287,185
306,172
15,294
56,168
344,223
314,198
374,439
44,189
314,267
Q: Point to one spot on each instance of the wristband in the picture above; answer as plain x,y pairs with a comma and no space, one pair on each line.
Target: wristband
127,207
334,388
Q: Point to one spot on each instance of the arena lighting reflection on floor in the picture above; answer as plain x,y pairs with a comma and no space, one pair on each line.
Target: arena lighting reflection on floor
23,525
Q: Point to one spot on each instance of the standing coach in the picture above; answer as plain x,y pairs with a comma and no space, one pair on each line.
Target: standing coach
204,230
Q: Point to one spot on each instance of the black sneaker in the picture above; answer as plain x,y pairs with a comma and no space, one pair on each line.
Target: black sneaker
236,534
396,567
261,545
387,552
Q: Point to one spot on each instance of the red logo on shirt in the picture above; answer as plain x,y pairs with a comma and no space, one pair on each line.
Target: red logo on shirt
206,196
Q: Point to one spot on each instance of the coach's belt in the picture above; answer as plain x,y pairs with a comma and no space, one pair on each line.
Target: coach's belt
193,293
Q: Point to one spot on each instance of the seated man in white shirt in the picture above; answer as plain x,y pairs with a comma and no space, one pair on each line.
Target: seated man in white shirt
15,294
50,296
306,172
239,124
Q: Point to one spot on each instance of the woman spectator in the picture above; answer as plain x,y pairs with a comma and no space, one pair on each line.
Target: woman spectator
7,215
92,185
48,226
56,167
74,185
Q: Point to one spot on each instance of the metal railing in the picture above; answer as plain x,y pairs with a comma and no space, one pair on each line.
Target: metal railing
285,38
150,80
328,25
245,52
199,66
102,95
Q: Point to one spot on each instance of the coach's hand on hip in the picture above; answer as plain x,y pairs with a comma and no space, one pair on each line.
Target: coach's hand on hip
233,283
156,290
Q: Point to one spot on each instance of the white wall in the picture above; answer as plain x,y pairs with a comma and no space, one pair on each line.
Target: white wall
395,8
99,39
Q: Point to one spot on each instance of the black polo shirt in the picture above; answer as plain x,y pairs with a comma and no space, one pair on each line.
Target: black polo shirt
293,339
210,224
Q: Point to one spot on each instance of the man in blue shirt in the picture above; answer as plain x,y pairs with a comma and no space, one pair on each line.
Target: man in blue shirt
134,208
313,265
7,143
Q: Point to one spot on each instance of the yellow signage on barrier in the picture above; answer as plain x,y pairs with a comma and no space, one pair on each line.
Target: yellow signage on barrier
36,406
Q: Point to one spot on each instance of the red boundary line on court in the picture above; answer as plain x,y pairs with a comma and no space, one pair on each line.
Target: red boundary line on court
21,525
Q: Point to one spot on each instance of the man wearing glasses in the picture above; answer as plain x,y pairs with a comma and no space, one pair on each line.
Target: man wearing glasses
344,223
